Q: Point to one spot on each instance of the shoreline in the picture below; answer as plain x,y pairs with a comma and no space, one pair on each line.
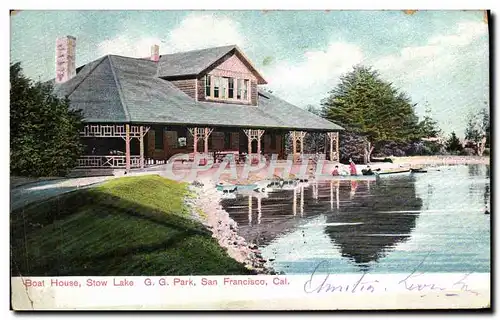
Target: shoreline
206,208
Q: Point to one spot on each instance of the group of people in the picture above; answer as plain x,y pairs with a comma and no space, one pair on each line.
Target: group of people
352,169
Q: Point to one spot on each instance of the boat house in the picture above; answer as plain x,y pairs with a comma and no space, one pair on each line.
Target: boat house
142,111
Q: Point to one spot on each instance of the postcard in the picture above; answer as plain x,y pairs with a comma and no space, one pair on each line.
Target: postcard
250,160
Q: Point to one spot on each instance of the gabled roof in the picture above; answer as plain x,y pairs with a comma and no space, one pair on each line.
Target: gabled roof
196,62
116,89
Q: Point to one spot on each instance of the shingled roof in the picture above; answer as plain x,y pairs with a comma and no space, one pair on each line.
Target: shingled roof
193,63
116,89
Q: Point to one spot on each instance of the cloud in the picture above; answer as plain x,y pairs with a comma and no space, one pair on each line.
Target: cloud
203,31
194,32
128,46
439,53
304,82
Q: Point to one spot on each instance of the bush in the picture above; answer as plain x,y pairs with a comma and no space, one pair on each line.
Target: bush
468,152
44,132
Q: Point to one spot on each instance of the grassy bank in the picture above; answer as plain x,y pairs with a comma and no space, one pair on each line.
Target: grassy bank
127,226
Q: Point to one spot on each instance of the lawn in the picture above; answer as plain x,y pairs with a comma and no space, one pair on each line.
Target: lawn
127,226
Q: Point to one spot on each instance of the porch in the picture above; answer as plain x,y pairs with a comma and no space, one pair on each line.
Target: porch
138,146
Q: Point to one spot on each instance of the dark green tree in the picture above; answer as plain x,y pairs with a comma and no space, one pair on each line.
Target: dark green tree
44,132
453,143
314,142
428,125
368,106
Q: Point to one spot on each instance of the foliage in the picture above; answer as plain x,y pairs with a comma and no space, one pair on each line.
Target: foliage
352,145
314,142
453,143
428,126
478,129
44,132
120,228
365,104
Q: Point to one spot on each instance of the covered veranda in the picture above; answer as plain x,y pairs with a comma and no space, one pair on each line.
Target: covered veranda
128,146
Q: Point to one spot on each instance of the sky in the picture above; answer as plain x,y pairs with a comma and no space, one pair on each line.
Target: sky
440,58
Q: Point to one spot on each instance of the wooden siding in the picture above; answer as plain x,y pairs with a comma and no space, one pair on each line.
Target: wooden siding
254,93
201,89
233,67
188,86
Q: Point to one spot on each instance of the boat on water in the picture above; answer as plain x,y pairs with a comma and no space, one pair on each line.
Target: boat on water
418,170
393,173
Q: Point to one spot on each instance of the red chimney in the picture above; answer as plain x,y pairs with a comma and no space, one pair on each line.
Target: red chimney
65,58
155,53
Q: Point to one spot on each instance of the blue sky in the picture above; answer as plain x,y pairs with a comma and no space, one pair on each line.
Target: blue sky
439,57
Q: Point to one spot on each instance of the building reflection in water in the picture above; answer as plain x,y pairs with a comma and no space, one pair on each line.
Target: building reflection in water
368,223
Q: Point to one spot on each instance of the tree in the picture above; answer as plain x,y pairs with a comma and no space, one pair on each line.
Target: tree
314,142
478,130
44,131
453,143
368,106
428,125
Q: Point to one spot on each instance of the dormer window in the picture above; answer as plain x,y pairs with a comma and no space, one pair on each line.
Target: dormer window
223,88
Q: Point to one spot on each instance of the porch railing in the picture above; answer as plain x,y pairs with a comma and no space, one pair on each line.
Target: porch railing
108,162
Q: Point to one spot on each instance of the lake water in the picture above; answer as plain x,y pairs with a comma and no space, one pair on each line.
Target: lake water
435,220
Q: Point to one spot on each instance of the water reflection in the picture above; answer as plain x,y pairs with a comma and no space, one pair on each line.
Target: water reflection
362,221
355,224
384,217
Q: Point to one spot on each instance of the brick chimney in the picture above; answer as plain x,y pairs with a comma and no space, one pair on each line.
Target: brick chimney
65,58
155,53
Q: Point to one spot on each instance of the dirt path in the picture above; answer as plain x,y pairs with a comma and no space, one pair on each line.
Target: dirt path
39,191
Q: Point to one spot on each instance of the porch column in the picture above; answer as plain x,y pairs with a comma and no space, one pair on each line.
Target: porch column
141,145
303,134
206,135
258,145
337,146
205,138
253,134
249,145
127,147
195,140
298,135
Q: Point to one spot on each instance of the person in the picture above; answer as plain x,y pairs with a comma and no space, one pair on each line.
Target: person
335,171
368,171
352,167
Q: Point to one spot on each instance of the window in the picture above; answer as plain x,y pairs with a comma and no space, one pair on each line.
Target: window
207,86
227,140
223,87
245,90
231,88
181,142
159,138
216,87
239,89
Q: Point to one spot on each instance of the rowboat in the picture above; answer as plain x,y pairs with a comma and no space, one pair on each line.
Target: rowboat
418,170
393,173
